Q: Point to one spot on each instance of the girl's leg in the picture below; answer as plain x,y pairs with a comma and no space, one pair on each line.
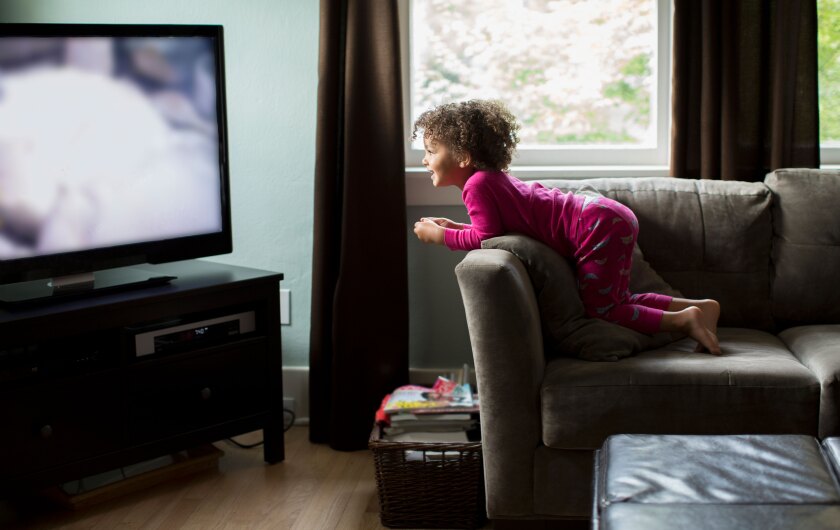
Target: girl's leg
604,257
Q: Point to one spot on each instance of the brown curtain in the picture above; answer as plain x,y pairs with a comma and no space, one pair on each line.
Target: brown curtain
744,88
359,334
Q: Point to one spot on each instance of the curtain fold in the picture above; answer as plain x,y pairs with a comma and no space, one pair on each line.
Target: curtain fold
744,84
359,327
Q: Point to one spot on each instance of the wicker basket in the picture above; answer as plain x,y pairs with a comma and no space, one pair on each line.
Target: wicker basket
429,485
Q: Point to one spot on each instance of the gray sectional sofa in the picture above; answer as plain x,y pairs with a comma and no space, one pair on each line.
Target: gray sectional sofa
768,251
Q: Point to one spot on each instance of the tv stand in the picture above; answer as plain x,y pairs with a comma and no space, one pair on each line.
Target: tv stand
76,399
39,292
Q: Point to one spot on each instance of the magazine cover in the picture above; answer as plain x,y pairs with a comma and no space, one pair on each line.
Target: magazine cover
426,400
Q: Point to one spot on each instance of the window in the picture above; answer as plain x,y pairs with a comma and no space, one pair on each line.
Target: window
588,80
828,68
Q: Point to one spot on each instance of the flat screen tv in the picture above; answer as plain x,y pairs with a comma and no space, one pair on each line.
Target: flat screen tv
113,152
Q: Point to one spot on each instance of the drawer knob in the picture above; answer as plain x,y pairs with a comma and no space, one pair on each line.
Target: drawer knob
205,393
46,431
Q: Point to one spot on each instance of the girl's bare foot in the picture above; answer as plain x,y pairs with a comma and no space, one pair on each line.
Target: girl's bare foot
695,328
711,313
690,322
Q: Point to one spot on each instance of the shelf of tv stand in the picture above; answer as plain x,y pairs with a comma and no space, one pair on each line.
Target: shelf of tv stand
75,400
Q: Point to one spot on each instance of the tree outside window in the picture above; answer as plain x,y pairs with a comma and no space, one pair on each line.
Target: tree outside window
828,65
574,72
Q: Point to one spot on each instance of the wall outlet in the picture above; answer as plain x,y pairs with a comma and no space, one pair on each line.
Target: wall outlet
285,307
289,403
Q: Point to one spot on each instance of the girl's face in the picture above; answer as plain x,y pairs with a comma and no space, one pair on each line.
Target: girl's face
446,169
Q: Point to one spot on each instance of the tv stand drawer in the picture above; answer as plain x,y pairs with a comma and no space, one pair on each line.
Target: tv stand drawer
176,395
49,425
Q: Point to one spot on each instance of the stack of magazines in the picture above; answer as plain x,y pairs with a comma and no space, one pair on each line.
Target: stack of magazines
446,412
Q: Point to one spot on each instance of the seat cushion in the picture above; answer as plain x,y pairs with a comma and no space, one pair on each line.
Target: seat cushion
818,348
737,469
648,481
566,328
756,386
708,239
806,245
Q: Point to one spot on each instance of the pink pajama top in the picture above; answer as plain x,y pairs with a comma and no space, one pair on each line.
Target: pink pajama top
498,204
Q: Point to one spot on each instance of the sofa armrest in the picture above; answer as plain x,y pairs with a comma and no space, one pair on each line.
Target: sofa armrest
506,338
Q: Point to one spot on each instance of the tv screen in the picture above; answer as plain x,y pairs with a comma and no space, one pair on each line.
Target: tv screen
113,147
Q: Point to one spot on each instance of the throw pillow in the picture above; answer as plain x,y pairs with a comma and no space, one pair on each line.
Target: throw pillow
566,328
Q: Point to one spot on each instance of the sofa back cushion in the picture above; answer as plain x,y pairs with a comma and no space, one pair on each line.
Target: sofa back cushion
806,246
707,239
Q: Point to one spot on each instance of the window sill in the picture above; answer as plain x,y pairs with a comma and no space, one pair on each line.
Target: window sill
420,192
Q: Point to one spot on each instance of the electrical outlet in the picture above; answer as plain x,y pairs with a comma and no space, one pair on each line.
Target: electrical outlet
285,307
289,403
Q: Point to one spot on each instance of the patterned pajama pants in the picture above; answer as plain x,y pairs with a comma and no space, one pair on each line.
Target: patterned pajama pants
605,240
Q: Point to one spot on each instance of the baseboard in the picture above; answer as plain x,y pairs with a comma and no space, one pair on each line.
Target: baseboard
296,385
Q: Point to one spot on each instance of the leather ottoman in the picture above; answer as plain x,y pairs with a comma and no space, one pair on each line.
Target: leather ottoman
650,482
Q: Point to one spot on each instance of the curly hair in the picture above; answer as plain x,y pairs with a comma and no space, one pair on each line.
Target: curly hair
484,129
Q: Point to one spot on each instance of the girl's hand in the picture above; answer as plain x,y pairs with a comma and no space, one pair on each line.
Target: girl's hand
444,222
428,231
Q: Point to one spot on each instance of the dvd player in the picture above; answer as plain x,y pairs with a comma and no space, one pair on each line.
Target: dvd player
201,332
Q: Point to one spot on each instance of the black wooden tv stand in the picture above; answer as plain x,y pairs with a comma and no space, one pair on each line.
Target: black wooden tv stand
76,397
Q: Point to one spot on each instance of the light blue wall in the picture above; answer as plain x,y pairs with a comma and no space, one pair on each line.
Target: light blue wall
438,325
272,78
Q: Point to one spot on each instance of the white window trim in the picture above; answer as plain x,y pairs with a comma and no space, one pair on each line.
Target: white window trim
578,162
830,156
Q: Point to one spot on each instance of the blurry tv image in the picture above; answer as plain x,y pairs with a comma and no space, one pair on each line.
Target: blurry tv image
113,147
105,142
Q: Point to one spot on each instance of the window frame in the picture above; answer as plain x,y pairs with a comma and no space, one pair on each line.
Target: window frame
830,156
577,162
568,162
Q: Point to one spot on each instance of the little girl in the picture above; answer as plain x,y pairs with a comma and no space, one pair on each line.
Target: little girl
470,145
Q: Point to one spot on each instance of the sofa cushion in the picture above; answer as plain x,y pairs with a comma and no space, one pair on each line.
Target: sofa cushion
756,386
818,348
806,245
708,239
736,469
714,482
832,450
566,328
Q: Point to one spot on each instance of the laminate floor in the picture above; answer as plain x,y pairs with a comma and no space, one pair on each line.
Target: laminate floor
314,488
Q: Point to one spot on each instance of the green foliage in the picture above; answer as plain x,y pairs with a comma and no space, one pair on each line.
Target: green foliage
637,66
600,136
631,90
573,72
528,76
828,64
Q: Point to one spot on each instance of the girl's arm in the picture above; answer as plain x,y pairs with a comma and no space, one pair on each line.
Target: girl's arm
446,223
486,222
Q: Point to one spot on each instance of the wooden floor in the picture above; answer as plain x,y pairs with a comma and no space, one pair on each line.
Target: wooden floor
314,488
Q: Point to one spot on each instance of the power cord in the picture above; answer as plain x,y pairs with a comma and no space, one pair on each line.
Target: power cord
286,427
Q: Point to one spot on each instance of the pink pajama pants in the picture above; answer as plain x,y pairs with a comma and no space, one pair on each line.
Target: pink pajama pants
606,235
